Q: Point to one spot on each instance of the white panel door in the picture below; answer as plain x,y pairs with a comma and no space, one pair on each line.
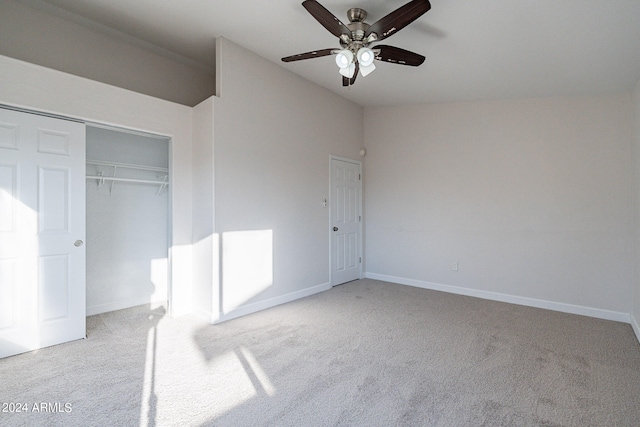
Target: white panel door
346,217
42,229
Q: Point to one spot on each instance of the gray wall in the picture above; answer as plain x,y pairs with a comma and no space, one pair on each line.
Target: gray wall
636,263
31,35
274,133
205,244
532,197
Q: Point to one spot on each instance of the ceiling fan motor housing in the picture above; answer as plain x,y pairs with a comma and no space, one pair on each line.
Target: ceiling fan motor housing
355,14
358,29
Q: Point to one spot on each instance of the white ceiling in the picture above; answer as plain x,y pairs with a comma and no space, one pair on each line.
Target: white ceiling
476,50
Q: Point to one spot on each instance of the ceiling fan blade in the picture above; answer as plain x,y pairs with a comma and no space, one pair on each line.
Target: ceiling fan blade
326,18
396,55
350,81
309,55
398,19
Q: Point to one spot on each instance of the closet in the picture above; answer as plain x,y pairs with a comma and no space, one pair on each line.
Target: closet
127,205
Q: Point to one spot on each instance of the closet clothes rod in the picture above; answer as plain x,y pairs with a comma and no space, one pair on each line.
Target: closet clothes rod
101,178
139,181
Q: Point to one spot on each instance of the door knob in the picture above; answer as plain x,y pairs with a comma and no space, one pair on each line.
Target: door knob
335,228
78,243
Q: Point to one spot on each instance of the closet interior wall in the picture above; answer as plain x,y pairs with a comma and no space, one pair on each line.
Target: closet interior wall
127,219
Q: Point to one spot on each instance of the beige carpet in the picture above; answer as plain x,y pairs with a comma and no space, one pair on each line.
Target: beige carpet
366,353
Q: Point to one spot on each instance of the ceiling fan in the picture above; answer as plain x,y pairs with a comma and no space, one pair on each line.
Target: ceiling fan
356,37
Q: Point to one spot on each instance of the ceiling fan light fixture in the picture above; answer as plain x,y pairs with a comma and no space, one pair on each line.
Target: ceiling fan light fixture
349,71
365,70
344,58
365,57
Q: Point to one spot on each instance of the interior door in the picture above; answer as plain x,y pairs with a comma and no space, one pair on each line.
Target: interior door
42,228
346,217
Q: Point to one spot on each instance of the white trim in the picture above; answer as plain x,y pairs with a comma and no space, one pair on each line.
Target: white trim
635,326
120,305
204,315
271,302
40,113
126,130
512,299
346,159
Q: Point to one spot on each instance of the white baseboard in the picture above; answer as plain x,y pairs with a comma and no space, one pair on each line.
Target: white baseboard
635,326
120,305
272,302
205,315
512,299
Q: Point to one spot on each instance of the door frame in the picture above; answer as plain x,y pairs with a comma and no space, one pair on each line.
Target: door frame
169,187
333,157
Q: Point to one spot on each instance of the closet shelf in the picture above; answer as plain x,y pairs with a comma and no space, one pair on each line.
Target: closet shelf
101,178
127,166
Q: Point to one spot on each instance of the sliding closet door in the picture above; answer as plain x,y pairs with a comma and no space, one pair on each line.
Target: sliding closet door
42,229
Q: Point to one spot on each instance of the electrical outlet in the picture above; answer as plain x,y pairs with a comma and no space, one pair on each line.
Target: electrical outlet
455,266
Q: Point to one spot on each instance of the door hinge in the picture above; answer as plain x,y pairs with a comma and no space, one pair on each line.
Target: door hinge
359,177
359,218
360,260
